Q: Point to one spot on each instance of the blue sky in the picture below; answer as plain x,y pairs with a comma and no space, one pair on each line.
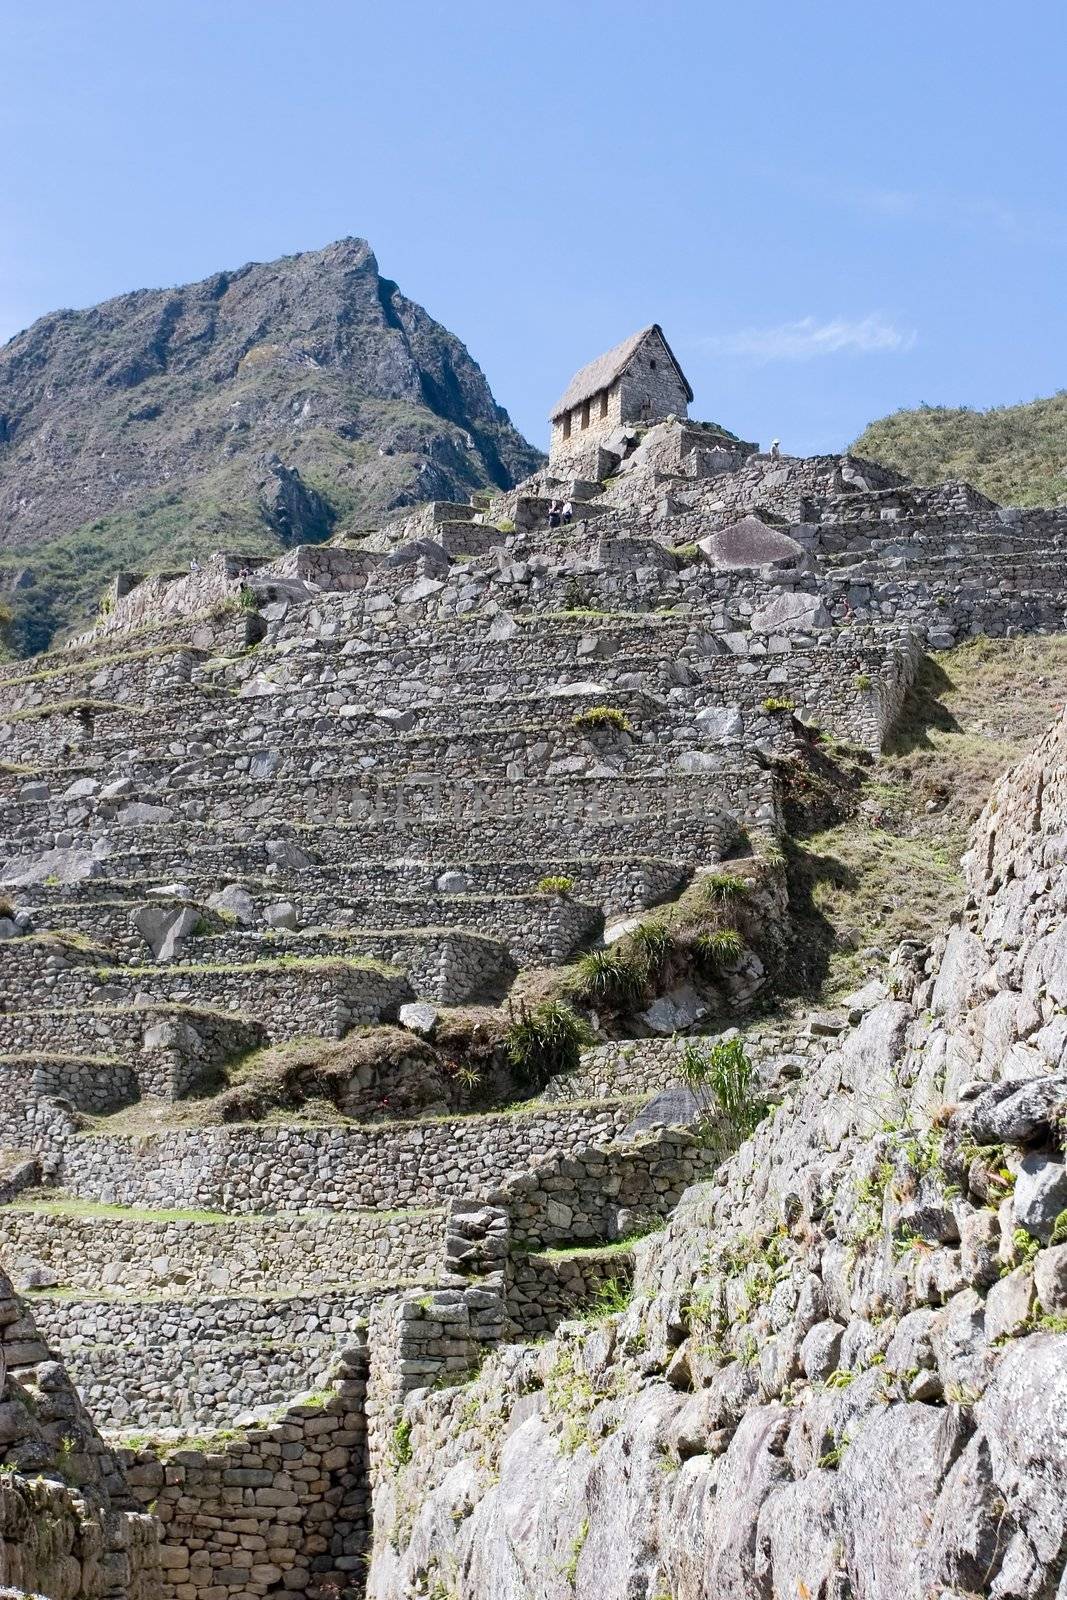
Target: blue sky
833,209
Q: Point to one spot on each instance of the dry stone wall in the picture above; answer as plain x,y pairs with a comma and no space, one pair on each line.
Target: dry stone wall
845,1345
254,774
250,1169
244,1254
282,1508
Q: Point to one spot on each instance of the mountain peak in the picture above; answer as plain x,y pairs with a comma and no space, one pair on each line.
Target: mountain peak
133,433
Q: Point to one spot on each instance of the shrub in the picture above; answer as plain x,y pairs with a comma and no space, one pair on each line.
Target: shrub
723,888
653,944
773,704
505,525
726,1089
546,1041
401,1443
553,884
246,599
862,681
611,1296
599,717
721,947
611,977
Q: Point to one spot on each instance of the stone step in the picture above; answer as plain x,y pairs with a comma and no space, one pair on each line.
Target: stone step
134,1253
135,675
328,895
115,729
530,929
290,997
92,1083
167,1049
650,821
489,755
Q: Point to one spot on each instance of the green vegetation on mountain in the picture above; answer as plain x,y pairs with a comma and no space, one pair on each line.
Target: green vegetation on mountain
278,404
1015,454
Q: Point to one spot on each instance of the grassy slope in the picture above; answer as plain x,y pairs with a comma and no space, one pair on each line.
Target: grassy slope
891,871
1015,454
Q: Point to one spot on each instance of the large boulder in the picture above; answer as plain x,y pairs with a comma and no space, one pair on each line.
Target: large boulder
235,902
750,543
165,928
50,866
791,613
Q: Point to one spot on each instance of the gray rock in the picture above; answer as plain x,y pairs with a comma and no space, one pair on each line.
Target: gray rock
283,853
1040,1195
1050,1279
750,543
400,721
81,789
453,882
60,866
118,789
165,929
673,1107
717,723
676,1011
979,1247
1009,1113
419,1017
791,613
235,901
9,928
503,626
34,791
820,1350
1009,1305
140,814
281,914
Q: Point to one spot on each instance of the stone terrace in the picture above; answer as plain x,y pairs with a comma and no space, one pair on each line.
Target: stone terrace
323,798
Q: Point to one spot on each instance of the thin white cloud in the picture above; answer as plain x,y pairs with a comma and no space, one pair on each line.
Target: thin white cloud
807,338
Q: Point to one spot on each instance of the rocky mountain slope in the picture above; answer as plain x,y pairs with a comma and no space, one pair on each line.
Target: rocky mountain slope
842,1371
1016,454
261,408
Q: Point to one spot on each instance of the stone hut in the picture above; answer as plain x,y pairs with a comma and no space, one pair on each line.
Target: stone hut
639,381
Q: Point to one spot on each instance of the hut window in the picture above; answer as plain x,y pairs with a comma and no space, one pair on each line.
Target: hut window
604,403
566,424
585,413
652,364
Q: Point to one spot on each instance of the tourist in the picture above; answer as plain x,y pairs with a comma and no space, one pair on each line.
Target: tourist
553,513
568,512
775,451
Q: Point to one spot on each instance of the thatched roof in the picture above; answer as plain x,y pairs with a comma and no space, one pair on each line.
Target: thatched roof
601,373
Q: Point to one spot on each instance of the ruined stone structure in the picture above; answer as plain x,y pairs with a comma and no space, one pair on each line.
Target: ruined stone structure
636,383
352,801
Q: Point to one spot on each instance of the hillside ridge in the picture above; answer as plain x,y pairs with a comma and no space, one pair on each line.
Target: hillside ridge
1016,454
271,405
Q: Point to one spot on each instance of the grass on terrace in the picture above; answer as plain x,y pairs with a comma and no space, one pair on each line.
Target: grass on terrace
891,871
